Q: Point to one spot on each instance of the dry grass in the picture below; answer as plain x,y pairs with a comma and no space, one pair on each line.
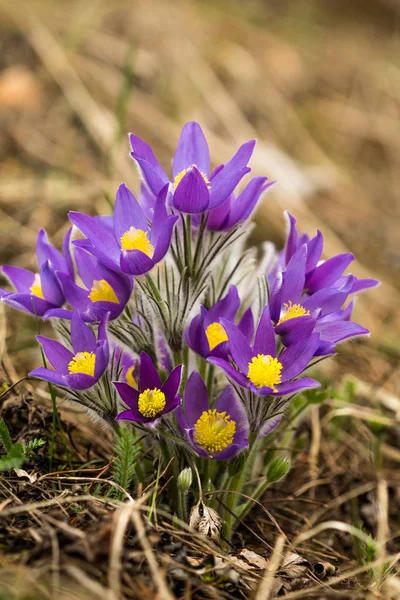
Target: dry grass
319,86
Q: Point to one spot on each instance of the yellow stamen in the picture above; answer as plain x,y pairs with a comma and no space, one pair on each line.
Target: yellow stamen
265,371
102,292
36,287
136,239
130,378
83,362
216,334
151,402
182,174
214,431
292,311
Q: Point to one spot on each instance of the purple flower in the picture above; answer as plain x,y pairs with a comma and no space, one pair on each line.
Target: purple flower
82,368
205,334
129,245
36,293
257,367
194,189
153,399
221,432
319,275
237,209
106,291
297,314
336,327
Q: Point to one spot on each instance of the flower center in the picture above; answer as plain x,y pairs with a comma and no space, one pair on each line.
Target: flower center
83,362
265,371
216,334
136,239
151,402
182,174
36,287
214,431
130,378
102,292
292,311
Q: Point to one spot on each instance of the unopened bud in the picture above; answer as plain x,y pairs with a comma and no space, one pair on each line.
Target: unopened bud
278,468
185,479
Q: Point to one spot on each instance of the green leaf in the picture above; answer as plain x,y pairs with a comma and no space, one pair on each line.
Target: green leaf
5,436
14,459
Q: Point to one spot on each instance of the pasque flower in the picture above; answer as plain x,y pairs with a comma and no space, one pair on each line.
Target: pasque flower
221,432
127,243
319,274
36,293
194,189
205,334
259,368
297,314
83,367
106,291
152,399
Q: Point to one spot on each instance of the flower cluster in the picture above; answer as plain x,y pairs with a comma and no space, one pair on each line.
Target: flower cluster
196,345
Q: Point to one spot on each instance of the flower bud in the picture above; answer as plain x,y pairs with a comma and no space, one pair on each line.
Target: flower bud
278,468
185,479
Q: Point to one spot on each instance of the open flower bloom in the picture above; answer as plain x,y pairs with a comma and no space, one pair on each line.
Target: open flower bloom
257,367
36,293
220,432
83,367
297,314
129,245
195,190
106,291
237,209
319,274
152,399
205,334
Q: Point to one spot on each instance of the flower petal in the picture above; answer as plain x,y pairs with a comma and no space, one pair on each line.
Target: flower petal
191,195
292,387
21,279
57,354
46,252
171,386
127,212
294,276
149,377
152,171
192,149
98,234
50,285
164,239
239,346
128,394
230,371
227,307
195,399
135,262
47,375
82,337
264,342
297,356
328,272
220,190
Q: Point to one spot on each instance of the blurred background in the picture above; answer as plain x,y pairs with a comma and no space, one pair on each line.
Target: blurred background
317,83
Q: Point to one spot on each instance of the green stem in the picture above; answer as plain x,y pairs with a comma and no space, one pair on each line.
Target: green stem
210,381
247,506
235,485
